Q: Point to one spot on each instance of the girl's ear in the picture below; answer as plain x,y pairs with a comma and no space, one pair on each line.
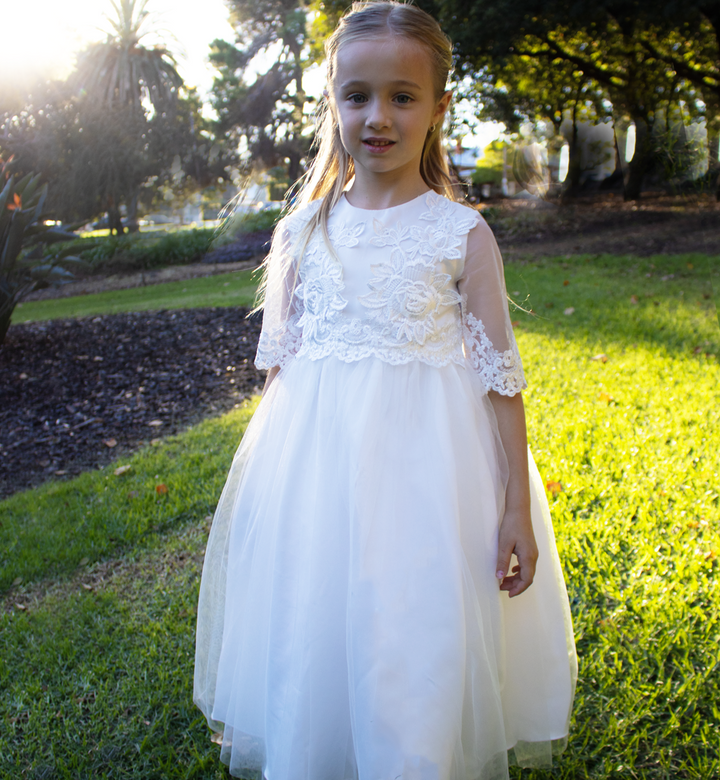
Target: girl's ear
442,106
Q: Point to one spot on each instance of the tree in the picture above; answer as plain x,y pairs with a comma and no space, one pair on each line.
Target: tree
187,152
121,77
691,46
606,42
521,89
267,115
110,143
120,73
95,158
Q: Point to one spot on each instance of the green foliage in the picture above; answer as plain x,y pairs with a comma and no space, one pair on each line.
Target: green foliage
489,170
136,251
640,59
21,206
241,222
233,289
143,251
98,667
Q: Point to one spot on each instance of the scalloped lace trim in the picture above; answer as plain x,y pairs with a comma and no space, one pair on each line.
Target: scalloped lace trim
279,347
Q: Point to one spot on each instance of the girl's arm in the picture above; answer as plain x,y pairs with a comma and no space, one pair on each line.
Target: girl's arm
491,351
280,336
271,374
516,532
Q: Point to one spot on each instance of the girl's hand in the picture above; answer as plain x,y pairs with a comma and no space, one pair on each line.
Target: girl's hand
516,536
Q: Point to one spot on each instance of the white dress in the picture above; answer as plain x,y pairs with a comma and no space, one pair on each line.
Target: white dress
350,626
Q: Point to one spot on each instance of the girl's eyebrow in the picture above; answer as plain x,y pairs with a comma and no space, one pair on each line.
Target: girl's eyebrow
357,83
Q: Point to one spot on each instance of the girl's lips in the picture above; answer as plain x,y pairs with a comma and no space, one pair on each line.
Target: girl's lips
378,145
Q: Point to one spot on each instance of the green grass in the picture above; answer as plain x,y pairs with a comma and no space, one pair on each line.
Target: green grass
665,301
233,289
49,530
97,670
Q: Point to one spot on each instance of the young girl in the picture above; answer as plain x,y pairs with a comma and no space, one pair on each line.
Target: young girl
359,616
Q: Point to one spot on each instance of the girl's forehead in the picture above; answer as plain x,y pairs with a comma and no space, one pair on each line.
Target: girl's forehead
388,58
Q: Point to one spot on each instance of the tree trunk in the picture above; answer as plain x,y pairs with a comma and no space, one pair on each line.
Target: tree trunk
133,226
713,139
638,166
572,181
6,312
115,221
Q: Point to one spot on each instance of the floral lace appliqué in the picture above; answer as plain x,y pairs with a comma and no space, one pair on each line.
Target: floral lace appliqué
500,371
408,296
409,290
412,305
322,282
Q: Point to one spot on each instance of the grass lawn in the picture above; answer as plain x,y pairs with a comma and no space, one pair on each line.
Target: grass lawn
233,289
624,414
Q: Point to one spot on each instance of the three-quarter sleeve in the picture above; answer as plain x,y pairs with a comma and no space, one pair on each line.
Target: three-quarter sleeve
488,338
280,336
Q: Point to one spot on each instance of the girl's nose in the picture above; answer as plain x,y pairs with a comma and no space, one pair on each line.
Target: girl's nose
378,116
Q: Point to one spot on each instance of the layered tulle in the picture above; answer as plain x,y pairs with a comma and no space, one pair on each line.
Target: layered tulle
350,624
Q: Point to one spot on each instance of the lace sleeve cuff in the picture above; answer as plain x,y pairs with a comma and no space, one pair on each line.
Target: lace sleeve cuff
500,371
276,349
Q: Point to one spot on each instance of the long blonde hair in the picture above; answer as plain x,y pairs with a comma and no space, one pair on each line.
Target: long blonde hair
333,168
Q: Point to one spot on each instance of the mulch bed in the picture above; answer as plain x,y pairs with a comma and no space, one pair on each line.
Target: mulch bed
76,394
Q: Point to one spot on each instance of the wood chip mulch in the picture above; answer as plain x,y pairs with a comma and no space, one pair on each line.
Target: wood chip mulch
76,394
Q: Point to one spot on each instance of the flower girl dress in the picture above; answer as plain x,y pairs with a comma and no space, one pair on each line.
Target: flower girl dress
350,625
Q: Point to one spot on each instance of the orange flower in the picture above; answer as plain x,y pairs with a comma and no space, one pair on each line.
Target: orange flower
17,204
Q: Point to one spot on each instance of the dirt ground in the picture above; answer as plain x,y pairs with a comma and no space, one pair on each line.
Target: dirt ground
604,224
75,394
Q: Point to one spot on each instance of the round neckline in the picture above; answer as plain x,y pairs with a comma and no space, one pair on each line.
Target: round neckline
388,208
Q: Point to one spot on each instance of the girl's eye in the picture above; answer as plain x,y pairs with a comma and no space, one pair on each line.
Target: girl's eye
356,98
403,99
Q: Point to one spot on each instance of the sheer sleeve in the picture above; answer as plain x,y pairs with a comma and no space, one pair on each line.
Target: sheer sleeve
280,336
488,339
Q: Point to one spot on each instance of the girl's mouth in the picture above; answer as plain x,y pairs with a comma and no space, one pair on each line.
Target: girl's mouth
377,145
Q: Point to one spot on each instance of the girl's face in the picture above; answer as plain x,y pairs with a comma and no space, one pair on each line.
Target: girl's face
385,103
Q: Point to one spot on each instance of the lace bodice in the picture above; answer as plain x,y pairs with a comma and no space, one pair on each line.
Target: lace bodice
419,281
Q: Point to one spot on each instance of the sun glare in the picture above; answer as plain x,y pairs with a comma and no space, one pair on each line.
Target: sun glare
42,37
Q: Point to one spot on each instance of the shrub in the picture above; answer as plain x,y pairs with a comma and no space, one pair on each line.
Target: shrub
142,252
23,263
179,248
240,222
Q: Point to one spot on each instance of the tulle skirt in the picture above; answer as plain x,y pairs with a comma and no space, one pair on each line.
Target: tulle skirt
350,626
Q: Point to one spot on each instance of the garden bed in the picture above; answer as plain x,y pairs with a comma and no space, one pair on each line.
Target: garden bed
76,394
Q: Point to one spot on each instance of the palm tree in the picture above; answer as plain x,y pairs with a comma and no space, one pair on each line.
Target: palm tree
119,72
121,77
